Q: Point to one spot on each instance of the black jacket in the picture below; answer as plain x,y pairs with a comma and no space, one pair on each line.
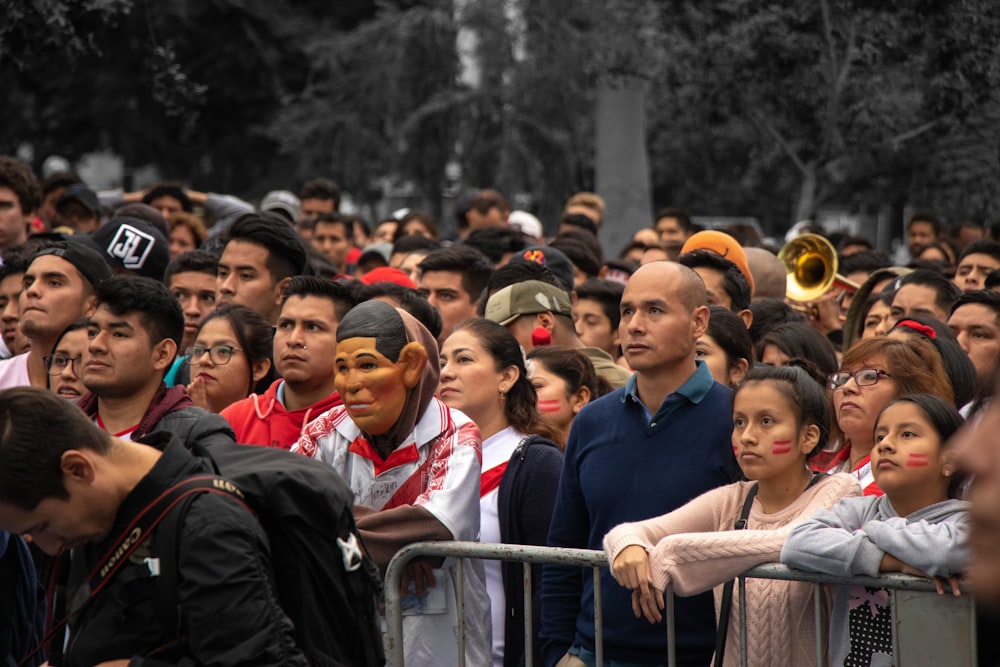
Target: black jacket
228,613
525,500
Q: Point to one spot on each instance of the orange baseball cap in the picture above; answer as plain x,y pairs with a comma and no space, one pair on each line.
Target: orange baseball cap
721,244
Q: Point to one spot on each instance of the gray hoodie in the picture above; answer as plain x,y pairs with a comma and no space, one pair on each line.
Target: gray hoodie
850,540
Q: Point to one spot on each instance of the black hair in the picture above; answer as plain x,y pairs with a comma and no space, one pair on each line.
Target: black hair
679,214
866,260
334,219
930,218
359,221
574,367
18,176
981,247
521,403
255,337
59,179
730,333
798,383
413,243
579,221
733,280
378,320
410,300
423,218
608,293
517,272
16,260
321,188
169,189
986,297
943,418
193,261
849,240
342,296
34,425
474,266
800,340
961,371
286,256
946,292
495,242
159,311
584,253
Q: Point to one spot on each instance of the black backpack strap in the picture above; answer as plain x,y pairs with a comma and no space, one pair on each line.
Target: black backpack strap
727,590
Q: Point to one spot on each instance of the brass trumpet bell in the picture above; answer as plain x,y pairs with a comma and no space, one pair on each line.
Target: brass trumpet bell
811,265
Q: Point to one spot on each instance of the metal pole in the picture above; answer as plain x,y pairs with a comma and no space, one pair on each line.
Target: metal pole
460,570
598,619
671,629
818,609
529,637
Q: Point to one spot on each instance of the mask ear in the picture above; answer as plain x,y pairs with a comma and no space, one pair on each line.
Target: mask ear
413,358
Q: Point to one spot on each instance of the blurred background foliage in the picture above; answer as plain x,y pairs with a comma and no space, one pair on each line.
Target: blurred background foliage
770,110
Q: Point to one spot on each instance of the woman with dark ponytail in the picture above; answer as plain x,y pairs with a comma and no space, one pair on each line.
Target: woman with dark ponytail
483,374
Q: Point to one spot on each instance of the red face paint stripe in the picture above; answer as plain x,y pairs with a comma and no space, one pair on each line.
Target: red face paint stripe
781,447
917,460
548,406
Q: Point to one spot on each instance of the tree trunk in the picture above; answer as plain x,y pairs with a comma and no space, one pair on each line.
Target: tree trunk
621,164
805,208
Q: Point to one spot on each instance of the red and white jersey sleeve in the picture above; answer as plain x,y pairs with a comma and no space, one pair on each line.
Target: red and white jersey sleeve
437,467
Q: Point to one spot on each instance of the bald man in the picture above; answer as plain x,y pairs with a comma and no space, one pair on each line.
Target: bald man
769,275
641,451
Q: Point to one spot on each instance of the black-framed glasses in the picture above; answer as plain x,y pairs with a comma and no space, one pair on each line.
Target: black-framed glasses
219,354
863,377
55,364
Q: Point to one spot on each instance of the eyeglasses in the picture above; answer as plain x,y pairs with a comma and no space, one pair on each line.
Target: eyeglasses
864,377
55,364
220,354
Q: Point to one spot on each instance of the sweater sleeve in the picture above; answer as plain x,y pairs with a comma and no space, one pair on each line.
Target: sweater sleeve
833,541
386,532
701,515
697,563
935,548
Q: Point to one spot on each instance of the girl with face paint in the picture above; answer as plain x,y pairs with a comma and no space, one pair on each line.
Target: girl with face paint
915,528
564,381
780,418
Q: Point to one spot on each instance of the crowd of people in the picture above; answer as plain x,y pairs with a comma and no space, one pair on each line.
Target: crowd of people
671,406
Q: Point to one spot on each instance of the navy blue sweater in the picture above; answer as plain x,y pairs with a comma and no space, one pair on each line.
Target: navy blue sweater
616,469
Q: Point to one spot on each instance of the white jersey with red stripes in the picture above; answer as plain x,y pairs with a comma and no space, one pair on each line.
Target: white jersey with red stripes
438,468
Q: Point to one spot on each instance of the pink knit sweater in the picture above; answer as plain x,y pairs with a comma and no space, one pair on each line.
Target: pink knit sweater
696,548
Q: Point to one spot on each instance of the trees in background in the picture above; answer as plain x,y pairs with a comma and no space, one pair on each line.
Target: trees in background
773,111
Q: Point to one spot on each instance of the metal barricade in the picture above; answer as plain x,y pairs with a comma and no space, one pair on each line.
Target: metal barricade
924,626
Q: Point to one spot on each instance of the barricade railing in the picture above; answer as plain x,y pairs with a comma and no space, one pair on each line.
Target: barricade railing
924,628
